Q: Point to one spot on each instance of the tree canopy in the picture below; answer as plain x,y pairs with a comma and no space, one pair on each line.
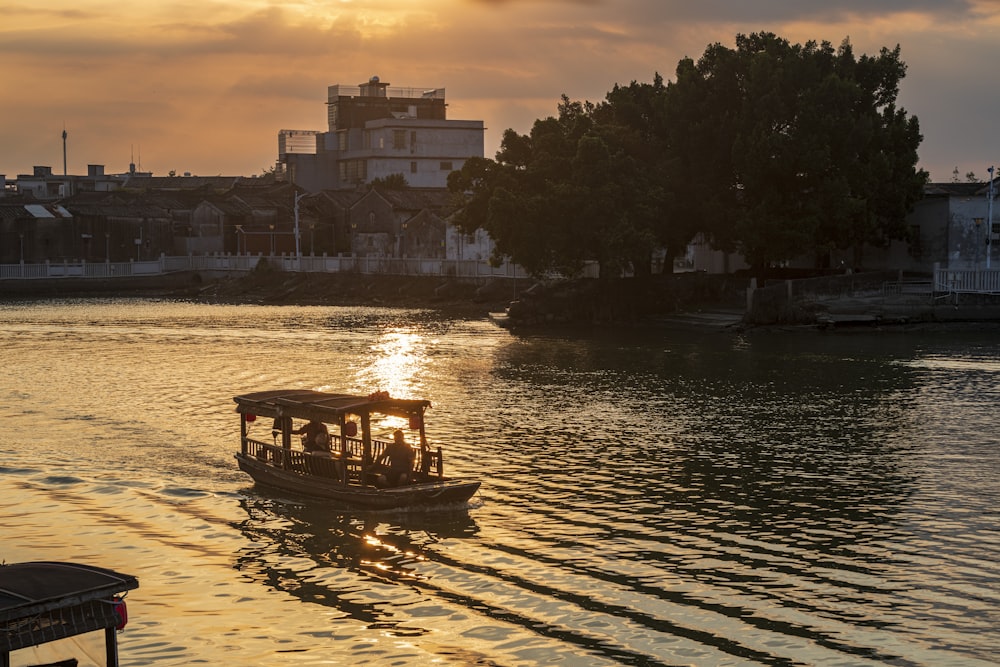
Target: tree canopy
770,148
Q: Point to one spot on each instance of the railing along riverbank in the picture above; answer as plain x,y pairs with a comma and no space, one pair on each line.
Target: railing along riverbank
977,281
230,264
879,296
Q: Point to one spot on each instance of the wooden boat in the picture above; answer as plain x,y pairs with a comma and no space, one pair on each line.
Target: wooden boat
348,470
43,602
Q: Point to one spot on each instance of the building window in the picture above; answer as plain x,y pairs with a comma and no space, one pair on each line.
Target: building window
399,139
357,171
413,141
413,167
446,166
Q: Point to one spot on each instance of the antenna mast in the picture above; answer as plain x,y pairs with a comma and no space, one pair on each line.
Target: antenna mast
64,149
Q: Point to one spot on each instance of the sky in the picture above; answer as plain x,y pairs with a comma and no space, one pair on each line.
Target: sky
204,86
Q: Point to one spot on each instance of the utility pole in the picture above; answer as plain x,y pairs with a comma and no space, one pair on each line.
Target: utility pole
298,253
989,219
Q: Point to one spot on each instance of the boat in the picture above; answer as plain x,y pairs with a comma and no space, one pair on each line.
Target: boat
357,430
44,605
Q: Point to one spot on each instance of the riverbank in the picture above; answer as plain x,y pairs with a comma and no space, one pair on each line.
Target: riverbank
528,302
457,297
704,302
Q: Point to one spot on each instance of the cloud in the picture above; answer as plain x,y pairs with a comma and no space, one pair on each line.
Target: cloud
205,86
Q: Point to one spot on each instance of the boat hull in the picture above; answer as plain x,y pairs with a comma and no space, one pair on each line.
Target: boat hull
425,494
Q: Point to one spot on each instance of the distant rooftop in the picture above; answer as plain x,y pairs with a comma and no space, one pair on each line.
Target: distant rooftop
339,90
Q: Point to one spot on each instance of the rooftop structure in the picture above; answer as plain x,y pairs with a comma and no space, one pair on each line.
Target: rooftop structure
350,107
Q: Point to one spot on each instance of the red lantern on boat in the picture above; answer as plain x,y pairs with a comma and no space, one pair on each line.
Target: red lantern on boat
121,611
415,422
251,418
350,429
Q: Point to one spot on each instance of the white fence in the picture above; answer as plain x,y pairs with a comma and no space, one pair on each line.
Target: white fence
244,263
979,281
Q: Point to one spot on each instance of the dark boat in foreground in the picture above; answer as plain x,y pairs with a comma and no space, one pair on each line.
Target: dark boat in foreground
43,602
345,466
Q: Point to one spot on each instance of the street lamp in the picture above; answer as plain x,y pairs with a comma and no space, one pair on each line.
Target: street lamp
271,227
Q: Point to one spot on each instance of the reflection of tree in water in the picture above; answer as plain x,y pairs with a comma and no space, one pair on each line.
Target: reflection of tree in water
774,436
303,549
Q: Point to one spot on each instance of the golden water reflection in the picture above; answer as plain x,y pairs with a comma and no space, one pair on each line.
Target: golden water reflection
397,362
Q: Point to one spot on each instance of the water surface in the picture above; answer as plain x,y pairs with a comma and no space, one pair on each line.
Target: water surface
653,498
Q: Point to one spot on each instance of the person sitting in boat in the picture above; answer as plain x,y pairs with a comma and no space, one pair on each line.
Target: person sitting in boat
315,436
400,461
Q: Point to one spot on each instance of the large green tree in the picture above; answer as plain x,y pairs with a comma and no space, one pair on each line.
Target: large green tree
791,149
770,148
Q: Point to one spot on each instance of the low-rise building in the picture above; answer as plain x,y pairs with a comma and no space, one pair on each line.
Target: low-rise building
43,185
951,226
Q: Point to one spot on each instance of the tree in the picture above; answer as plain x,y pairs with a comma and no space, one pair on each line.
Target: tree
636,116
772,149
801,145
573,190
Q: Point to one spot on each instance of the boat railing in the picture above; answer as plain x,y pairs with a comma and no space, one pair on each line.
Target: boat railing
353,448
430,462
347,451
268,453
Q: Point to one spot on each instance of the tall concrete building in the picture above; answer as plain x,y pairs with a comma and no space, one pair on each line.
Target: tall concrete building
376,131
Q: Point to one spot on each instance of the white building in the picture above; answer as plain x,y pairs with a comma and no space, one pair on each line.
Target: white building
376,131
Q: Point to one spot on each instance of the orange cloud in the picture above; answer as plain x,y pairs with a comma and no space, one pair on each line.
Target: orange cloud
205,86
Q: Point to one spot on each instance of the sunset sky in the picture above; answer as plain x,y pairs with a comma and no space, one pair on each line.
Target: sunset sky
204,86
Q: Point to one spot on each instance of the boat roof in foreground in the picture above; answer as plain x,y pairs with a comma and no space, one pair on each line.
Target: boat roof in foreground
44,601
324,406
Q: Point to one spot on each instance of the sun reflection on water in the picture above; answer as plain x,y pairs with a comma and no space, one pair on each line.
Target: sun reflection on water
397,362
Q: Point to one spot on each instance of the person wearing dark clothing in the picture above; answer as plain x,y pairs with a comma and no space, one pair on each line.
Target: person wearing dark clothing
399,456
315,436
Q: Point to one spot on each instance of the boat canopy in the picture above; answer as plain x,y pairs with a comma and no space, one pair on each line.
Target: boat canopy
45,601
325,407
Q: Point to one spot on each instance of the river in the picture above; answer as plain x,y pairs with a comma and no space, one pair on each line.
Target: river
649,498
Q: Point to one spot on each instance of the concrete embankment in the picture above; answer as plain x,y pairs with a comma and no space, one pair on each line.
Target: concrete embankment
473,297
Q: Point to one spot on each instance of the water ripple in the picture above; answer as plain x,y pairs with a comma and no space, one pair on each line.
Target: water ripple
648,498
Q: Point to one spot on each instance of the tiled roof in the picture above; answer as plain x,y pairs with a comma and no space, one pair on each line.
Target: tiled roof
415,199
